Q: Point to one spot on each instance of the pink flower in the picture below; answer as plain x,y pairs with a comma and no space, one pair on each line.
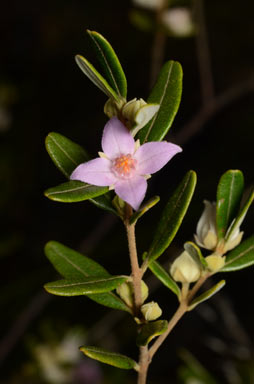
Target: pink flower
123,166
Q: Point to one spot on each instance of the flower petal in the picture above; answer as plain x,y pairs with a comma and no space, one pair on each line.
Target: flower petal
116,139
132,190
96,172
151,157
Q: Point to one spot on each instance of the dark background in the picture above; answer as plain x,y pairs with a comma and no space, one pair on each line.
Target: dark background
43,90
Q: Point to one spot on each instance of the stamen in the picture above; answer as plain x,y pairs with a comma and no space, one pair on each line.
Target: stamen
124,165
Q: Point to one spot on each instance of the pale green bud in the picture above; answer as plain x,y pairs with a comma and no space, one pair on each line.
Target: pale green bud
112,107
235,237
130,109
125,291
184,269
151,311
206,236
215,262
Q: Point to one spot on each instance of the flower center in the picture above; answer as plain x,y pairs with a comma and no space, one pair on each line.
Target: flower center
124,166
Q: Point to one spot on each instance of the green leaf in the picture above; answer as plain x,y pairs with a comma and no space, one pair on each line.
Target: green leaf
104,356
241,215
166,92
144,208
240,257
84,286
150,330
195,252
172,216
229,194
74,191
104,202
95,77
73,265
164,277
65,154
112,69
206,295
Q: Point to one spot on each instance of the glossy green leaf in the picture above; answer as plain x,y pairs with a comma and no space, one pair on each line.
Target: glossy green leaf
150,330
164,277
95,77
74,191
206,295
111,67
65,154
229,194
104,356
240,257
144,208
84,286
166,92
241,215
104,202
172,216
195,252
73,265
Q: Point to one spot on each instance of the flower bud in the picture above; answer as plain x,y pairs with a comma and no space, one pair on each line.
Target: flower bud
125,291
130,109
184,269
112,107
206,236
151,311
215,262
234,239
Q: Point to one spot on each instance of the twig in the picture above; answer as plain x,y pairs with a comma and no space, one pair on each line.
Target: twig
202,117
203,54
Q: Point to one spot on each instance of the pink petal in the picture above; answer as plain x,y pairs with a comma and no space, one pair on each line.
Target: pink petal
116,139
151,157
96,172
132,190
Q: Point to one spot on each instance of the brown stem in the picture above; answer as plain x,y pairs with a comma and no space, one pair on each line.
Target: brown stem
144,362
183,307
196,287
135,270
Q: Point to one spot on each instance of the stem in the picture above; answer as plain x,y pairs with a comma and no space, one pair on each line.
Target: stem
183,307
135,270
144,362
196,287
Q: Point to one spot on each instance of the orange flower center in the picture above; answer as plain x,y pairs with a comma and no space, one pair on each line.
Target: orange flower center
124,165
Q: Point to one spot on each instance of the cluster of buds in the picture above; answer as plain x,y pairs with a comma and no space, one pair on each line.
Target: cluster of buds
135,114
150,311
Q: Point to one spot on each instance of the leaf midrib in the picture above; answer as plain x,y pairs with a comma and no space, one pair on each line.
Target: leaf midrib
160,102
240,255
84,283
107,64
